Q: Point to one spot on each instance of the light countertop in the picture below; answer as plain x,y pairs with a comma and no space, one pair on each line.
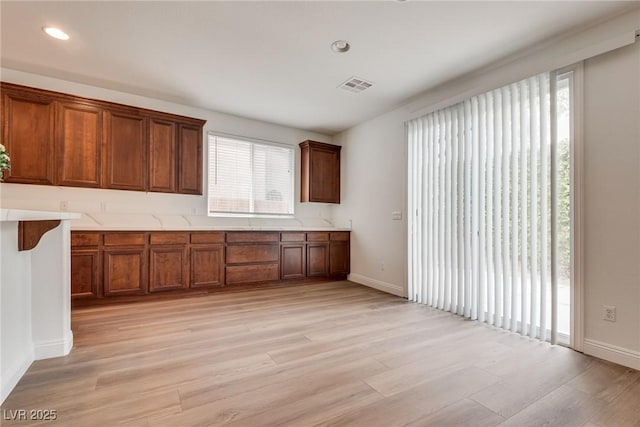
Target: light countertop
7,215
158,222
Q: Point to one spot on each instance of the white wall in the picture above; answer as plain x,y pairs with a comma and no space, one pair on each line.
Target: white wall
374,175
118,201
35,303
17,350
612,196
373,186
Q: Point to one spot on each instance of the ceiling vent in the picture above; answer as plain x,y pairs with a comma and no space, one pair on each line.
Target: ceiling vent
355,84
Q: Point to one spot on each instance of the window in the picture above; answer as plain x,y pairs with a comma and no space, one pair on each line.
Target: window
248,177
490,197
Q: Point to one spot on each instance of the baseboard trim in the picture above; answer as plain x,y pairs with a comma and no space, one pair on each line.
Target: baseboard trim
620,355
377,284
55,348
11,378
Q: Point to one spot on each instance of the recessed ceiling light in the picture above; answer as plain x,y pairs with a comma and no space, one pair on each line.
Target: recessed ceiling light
340,46
56,33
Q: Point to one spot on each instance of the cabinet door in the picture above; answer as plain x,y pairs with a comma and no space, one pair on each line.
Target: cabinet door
126,152
162,156
79,145
85,273
28,134
125,271
339,258
292,261
324,185
252,273
168,268
189,159
207,266
317,259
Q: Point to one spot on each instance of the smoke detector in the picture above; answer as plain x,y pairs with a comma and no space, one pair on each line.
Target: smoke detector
355,84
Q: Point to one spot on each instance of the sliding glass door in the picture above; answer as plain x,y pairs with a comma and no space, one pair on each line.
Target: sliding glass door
565,173
491,201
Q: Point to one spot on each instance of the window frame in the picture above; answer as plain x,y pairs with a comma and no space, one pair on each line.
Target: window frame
253,142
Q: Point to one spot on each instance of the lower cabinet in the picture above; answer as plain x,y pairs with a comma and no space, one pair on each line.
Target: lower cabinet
238,274
338,258
85,273
134,263
293,259
125,271
207,265
168,269
317,259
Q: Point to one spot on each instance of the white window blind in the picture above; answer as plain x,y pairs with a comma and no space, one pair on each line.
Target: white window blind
249,178
481,198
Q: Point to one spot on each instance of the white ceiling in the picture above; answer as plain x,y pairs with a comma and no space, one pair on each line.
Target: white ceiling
272,60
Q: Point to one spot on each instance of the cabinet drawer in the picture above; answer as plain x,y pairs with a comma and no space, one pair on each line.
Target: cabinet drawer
340,236
251,237
85,239
238,254
251,273
122,239
318,236
208,237
292,237
169,238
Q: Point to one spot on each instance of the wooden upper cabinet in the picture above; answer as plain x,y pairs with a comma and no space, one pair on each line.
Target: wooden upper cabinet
293,259
79,145
127,151
168,267
28,127
59,139
162,156
189,159
320,172
317,259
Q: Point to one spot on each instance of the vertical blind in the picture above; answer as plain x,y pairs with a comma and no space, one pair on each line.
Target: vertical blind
481,203
247,177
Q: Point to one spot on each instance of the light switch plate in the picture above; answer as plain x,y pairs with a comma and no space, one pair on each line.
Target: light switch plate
396,215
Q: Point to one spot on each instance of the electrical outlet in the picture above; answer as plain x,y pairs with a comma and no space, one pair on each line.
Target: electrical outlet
64,206
609,313
396,215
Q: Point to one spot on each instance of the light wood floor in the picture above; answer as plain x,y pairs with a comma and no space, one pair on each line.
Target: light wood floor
322,354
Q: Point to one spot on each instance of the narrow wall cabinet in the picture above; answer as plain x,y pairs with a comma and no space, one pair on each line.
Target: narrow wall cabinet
320,172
